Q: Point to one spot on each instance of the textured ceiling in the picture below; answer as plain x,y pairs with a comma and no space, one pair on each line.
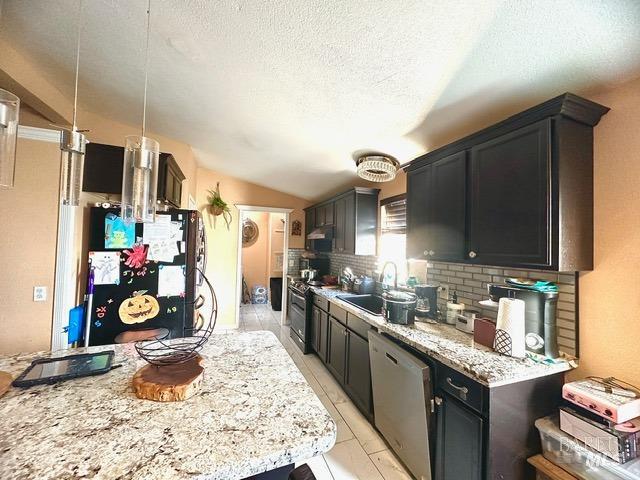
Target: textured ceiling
281,93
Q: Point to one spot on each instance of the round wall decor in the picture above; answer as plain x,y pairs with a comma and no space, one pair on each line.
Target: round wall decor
250,232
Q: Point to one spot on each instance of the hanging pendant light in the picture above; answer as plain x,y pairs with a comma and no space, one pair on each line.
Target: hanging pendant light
140,173
9,114
73,144
377,168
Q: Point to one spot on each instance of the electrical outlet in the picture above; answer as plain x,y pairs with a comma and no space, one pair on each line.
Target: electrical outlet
443,291
39,294
292,263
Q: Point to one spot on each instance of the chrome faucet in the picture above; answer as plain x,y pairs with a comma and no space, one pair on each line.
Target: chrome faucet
395,274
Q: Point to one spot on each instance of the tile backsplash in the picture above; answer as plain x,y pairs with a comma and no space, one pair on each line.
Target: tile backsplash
360,264
470,282
293,259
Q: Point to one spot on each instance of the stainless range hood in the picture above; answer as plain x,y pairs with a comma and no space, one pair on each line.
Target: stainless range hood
321,233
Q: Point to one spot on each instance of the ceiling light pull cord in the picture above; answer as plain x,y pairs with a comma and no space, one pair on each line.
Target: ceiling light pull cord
146,70
75,91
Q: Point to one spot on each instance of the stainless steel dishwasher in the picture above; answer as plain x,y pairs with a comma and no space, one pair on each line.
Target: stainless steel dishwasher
402,402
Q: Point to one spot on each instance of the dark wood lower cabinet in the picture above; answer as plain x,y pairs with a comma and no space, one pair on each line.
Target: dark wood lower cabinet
319,330
346,356
459,441
336,349
357,379
477,433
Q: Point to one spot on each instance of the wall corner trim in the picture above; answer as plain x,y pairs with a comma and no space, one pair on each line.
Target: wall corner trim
40,134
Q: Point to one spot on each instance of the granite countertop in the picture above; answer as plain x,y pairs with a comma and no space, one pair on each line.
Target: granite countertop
254,413
454,348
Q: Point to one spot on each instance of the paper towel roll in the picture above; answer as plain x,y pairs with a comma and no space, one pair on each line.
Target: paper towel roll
510,328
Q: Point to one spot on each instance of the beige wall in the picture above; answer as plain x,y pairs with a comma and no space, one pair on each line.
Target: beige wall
395,187
610,294
222,260
29,216
255,257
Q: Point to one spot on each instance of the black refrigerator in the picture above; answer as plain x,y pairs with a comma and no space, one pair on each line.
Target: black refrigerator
145,275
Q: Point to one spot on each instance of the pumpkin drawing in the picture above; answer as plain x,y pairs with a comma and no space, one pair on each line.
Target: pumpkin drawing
139,308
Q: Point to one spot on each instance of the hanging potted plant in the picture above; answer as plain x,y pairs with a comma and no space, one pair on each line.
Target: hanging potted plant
218,207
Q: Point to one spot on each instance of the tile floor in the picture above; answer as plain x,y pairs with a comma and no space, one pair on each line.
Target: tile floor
360,452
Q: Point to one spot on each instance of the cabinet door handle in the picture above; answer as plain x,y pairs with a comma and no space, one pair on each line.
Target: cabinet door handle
463,390
431,253
472,254
425,253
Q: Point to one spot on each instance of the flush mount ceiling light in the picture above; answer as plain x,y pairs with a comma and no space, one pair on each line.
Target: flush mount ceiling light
73,144
377,168
9,112
140,173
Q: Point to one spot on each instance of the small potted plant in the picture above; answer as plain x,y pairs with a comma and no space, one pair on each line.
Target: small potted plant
218,207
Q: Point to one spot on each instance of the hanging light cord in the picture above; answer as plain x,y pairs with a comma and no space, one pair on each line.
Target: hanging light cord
146,70
75,92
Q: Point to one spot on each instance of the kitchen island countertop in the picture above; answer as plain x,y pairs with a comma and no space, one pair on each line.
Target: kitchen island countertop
255,413
454,348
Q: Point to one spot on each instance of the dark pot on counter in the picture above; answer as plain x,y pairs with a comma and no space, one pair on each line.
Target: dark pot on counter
399,307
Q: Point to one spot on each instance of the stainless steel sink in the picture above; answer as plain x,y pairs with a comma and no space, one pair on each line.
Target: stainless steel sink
369,303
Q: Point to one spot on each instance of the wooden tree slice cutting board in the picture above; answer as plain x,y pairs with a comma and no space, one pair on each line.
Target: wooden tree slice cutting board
5,382
169,383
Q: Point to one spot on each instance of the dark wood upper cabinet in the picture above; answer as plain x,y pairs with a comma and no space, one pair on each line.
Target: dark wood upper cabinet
360,227
418,206
324,215
510,198
354,217
518,193
329,213
103,173
448,208
309,225
319,216
339,225
170,179
436,206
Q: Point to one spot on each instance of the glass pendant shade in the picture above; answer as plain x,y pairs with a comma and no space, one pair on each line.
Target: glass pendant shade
139,179
9,115
377,168
73,145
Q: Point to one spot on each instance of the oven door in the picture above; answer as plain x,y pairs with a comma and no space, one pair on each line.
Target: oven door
297,313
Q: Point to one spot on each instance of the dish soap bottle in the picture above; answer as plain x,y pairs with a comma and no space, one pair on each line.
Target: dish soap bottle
454,309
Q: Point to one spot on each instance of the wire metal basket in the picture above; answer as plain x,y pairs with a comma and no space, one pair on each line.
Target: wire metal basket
162,351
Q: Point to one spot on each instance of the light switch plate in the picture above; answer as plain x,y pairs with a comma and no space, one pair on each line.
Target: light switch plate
40,294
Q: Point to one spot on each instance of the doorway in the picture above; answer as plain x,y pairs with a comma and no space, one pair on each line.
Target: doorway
263,244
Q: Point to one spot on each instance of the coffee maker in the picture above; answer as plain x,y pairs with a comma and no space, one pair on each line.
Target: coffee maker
427,302
539,316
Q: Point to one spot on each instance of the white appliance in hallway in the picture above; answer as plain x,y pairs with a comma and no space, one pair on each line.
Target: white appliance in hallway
402,399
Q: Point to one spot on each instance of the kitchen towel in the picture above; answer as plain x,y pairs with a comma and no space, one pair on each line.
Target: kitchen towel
510,328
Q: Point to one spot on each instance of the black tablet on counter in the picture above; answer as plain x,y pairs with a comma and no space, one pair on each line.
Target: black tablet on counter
59,369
